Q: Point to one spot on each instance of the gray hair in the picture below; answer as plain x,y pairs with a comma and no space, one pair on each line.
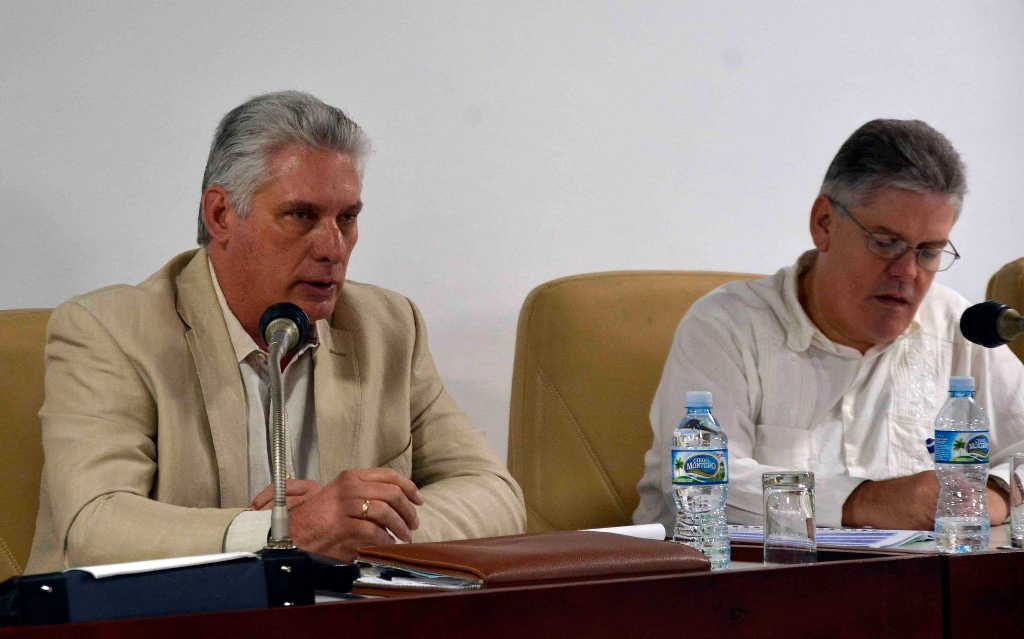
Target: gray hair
251,133
901,154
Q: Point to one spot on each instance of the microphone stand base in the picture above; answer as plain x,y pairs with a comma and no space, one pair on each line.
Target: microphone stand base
294,575
289,574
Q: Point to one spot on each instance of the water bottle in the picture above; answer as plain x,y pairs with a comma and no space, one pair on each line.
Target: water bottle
961,463
700,478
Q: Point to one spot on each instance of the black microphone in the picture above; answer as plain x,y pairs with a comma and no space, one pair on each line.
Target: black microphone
286,324
991,324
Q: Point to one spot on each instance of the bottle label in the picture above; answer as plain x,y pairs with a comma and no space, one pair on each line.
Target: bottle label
961,447
702,466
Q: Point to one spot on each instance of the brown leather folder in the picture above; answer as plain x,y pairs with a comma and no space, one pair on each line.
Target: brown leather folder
539,558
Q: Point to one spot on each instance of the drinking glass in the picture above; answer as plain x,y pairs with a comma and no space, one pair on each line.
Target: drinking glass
789,517
1017,501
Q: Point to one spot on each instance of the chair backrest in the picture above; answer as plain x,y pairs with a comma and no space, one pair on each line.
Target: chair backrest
589,354
22,337
1007,286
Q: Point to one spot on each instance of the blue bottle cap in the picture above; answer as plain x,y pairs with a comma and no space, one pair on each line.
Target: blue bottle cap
961,384
698,399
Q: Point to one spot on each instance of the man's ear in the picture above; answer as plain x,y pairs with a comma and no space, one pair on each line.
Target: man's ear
823,216
217,214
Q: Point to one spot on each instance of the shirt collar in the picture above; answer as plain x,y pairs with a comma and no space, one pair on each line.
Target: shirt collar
801,331
241,342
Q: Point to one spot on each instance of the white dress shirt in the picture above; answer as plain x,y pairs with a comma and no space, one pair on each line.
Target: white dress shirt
248,531
789,398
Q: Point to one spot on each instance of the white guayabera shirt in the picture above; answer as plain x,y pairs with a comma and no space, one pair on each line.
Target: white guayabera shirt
789,398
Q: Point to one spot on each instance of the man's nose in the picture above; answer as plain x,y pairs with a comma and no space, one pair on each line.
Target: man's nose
328,242
905,266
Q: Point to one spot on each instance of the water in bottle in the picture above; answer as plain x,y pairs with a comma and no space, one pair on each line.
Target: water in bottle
961,463
700,477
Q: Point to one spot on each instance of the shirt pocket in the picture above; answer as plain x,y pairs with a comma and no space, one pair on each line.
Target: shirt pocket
782,446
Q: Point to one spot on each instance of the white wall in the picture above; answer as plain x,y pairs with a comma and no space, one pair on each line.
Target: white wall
515,142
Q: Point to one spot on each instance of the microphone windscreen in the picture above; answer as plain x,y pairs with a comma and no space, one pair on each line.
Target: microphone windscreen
980,323
292,313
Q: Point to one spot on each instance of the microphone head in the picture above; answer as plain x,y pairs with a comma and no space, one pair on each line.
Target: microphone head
980,323
292,313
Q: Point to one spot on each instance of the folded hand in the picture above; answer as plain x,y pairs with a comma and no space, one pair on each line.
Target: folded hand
358,508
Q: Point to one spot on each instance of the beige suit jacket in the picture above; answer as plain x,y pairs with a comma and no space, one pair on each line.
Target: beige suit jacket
144,422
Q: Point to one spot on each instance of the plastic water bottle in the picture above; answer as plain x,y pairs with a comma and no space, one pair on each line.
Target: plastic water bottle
700,478
961,463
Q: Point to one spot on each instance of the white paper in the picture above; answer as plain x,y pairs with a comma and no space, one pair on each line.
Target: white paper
134,567
849,537
642,531
386,576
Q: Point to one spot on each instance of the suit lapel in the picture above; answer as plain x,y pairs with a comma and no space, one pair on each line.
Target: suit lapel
337,398
219,378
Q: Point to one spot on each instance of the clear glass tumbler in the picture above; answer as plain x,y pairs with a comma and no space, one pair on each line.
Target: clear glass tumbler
1017,501
789,517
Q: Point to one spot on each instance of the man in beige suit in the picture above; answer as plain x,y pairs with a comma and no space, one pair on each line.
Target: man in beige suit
154,423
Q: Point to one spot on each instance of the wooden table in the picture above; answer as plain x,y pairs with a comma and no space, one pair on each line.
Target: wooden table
984,591
846,594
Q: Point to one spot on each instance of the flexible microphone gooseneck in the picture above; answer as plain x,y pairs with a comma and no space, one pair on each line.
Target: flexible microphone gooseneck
285,327
991,324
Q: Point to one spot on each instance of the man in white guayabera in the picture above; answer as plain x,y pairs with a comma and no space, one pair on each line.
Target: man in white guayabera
839,363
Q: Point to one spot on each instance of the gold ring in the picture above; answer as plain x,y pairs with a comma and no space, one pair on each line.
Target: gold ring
366,509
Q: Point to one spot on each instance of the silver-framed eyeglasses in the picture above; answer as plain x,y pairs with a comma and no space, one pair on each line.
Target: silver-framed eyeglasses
930,258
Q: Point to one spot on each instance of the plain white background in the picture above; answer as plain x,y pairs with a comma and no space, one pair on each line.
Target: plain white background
515,142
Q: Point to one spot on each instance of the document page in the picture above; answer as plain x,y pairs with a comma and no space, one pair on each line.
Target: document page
848,537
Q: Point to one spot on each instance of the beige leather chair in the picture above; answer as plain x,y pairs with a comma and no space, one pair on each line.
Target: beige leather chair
22,336
1007,286
589,354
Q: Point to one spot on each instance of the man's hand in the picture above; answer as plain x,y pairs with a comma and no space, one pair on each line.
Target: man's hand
332,520
296,491
904,503
908,503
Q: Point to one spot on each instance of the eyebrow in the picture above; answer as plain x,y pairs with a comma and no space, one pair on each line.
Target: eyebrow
884,230
296,205
300,205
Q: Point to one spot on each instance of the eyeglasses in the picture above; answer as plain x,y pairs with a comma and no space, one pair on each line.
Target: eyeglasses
929,258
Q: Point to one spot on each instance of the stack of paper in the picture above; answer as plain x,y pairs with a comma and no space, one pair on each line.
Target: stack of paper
848,537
